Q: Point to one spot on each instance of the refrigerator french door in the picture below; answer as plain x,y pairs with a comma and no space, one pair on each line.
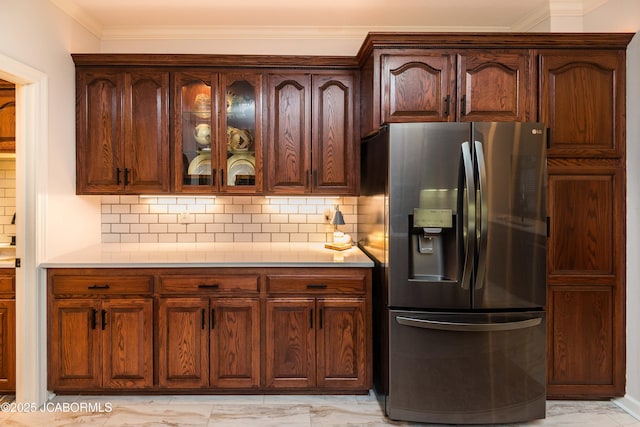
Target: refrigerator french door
460,329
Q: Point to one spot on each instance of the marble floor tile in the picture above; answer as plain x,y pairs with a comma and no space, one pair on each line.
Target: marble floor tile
270,411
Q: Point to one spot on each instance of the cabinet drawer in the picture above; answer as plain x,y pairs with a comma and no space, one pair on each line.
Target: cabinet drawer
320,284
102,285
208,284
7,285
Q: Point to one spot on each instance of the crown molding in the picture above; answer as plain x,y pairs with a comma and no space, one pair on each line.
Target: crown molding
290,32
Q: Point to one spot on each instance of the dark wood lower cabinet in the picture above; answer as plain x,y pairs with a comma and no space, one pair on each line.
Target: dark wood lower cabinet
209,343
102,344
215,330
7,345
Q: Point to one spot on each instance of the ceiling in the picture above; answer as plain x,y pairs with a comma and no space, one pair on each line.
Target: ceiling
109,19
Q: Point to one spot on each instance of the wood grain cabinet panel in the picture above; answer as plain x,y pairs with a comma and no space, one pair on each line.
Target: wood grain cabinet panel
127,343
333,137
289,141
582,340
584,209
235,343
183,342
75,345
582,100
209,343
290,343
7,345
494,86
341,343
122,141
418,88
7,330
7,117
312,144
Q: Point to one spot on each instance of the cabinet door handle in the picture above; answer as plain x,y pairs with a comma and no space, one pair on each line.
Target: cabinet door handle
463,106
104,319
94,314
214,173
117,176
447,101
105,286
213,316
126,176
221,177
202,320
320,320
211,286
316,286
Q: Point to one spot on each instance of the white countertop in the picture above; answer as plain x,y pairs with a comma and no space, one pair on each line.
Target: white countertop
141,255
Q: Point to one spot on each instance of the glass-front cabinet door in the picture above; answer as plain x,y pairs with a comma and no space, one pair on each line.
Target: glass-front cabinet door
218,132
196,132
240,133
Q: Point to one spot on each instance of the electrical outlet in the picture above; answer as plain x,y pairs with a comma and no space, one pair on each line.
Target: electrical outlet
185,218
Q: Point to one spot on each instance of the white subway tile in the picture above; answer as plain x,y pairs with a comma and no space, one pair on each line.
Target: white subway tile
196,228
242,200
129,200
110,238
167,238
242,237
204,218
214,228
158,209
129,238
279,218
232,209
139,209
252,209
289,228
120,209
307,209
224,237
167,218
186,238
139,228
110,200
223,218
148,238
149,218
261,237
120,228
299,237
270,228
298,218
259,218
241,218
177,228
233,228
270,209
251,228
158,228
289,209
280,237
110,219
129,219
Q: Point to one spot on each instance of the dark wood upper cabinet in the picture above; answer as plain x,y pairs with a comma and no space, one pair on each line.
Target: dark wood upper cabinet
311,145
289,141
122,131
494,86
582,100
419,87
7,117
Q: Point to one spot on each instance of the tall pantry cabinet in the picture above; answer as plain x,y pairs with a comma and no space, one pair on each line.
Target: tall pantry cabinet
575,84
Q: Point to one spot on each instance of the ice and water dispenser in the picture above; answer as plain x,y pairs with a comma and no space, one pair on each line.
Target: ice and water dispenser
433,230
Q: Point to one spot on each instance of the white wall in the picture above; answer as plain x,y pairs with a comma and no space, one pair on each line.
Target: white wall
39,35
624,16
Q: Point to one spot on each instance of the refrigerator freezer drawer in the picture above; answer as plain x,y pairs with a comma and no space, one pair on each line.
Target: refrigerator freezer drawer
466,368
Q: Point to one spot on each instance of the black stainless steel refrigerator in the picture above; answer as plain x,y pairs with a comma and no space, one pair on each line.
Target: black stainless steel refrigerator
453,215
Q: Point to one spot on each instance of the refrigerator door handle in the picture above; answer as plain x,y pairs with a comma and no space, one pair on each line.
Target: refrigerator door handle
468,327
468,237
483,213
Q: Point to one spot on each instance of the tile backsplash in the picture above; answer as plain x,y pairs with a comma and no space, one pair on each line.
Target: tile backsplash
141,219
7,199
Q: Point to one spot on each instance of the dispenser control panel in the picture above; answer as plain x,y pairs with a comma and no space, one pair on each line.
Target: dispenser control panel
432,218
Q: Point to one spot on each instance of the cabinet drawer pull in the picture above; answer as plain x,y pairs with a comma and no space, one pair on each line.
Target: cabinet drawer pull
126,176
99,287
104,319
311,319
202,325
117,176
205,286
94,314
213,316
316,286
